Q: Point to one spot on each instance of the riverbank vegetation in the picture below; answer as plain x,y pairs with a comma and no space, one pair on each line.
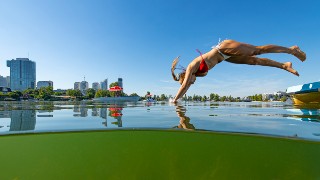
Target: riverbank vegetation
47,93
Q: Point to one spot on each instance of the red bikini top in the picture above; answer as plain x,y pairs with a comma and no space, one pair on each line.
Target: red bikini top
203,68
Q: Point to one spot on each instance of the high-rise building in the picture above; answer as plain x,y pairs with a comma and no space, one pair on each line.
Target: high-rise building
84,85
96,86
104,84
41,84
22,74
76,85
120,82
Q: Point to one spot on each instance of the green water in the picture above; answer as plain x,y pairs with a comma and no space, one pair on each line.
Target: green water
156,154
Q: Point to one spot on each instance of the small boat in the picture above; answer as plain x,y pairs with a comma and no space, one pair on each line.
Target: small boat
305,94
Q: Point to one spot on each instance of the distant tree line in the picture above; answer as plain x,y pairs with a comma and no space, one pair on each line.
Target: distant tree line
256,97
44,93
47,93
214,97
211,97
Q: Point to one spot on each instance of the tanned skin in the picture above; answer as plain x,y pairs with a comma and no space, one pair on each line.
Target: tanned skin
240,53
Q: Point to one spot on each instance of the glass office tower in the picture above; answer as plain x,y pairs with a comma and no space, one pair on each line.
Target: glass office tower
120,82
104,84
22,74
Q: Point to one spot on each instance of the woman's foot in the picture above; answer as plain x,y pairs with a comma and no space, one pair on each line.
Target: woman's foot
296,51
288,67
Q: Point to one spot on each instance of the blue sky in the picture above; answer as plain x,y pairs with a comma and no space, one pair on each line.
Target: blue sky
137,40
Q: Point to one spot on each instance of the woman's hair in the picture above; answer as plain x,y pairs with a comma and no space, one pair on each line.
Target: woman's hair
173,67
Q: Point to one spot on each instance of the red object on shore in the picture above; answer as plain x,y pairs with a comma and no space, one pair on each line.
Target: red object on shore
116,114
116,88
115,109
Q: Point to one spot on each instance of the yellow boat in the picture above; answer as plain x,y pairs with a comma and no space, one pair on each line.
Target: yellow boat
306,94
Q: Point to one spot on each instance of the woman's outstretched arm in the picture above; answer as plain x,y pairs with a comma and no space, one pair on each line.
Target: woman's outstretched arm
183,89
185,85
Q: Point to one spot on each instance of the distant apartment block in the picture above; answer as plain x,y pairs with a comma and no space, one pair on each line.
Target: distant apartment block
95,86
41,84
22,74
104,84
76,86
5,81
8,81
273,96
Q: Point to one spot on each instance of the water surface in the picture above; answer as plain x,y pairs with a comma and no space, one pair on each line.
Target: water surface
85,140
274,119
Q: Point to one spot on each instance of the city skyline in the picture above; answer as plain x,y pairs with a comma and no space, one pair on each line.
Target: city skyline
138,40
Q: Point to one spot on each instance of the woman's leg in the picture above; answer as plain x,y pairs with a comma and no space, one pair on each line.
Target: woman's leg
252,60
234,48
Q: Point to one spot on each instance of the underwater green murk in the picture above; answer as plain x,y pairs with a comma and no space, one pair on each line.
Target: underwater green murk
156,154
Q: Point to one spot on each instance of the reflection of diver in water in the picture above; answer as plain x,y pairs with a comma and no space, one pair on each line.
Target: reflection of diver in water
184,120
